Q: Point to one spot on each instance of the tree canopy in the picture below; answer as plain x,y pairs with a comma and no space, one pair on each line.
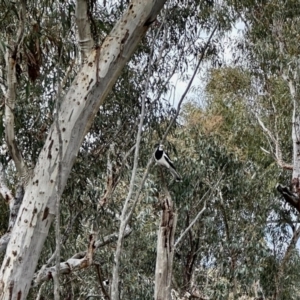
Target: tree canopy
232,131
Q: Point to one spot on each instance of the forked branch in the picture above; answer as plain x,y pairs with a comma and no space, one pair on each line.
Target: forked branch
276,149
80,260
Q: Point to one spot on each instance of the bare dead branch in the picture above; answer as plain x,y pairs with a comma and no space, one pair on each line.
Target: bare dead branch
165,247
39,295
191,224
80,260
123,223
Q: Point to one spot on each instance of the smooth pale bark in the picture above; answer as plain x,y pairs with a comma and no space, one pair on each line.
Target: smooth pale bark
165,249
295,133
85,40
88,91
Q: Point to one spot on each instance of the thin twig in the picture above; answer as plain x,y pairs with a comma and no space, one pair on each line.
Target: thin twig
190,83
39,295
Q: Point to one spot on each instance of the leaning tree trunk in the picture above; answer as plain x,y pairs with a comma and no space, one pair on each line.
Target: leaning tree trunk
165,249
75,116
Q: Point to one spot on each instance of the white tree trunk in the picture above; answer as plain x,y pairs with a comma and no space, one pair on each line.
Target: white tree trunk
88,91
295,130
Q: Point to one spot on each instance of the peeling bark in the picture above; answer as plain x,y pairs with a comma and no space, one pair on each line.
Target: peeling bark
165,249
77,111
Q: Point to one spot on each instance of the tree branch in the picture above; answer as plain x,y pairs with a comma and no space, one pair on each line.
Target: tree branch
10,99
124,221
278,153
127,211
80,260
85,40
190,82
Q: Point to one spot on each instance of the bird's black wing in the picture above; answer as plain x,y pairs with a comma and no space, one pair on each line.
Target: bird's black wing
167,158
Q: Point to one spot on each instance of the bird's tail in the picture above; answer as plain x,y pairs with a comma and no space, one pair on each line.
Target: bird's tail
175,174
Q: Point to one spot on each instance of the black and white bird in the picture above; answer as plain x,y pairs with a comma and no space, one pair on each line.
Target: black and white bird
162,158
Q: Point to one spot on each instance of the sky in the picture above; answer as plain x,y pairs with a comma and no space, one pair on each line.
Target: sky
237,32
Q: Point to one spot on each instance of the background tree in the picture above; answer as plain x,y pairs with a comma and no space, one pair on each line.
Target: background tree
235,237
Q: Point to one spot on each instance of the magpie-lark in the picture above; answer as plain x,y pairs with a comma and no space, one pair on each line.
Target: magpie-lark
162,158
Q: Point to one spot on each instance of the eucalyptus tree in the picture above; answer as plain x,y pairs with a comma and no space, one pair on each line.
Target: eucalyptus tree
225,250
273,58
74,113
61,63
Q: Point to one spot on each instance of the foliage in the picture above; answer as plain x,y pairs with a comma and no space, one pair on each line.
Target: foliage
242,235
